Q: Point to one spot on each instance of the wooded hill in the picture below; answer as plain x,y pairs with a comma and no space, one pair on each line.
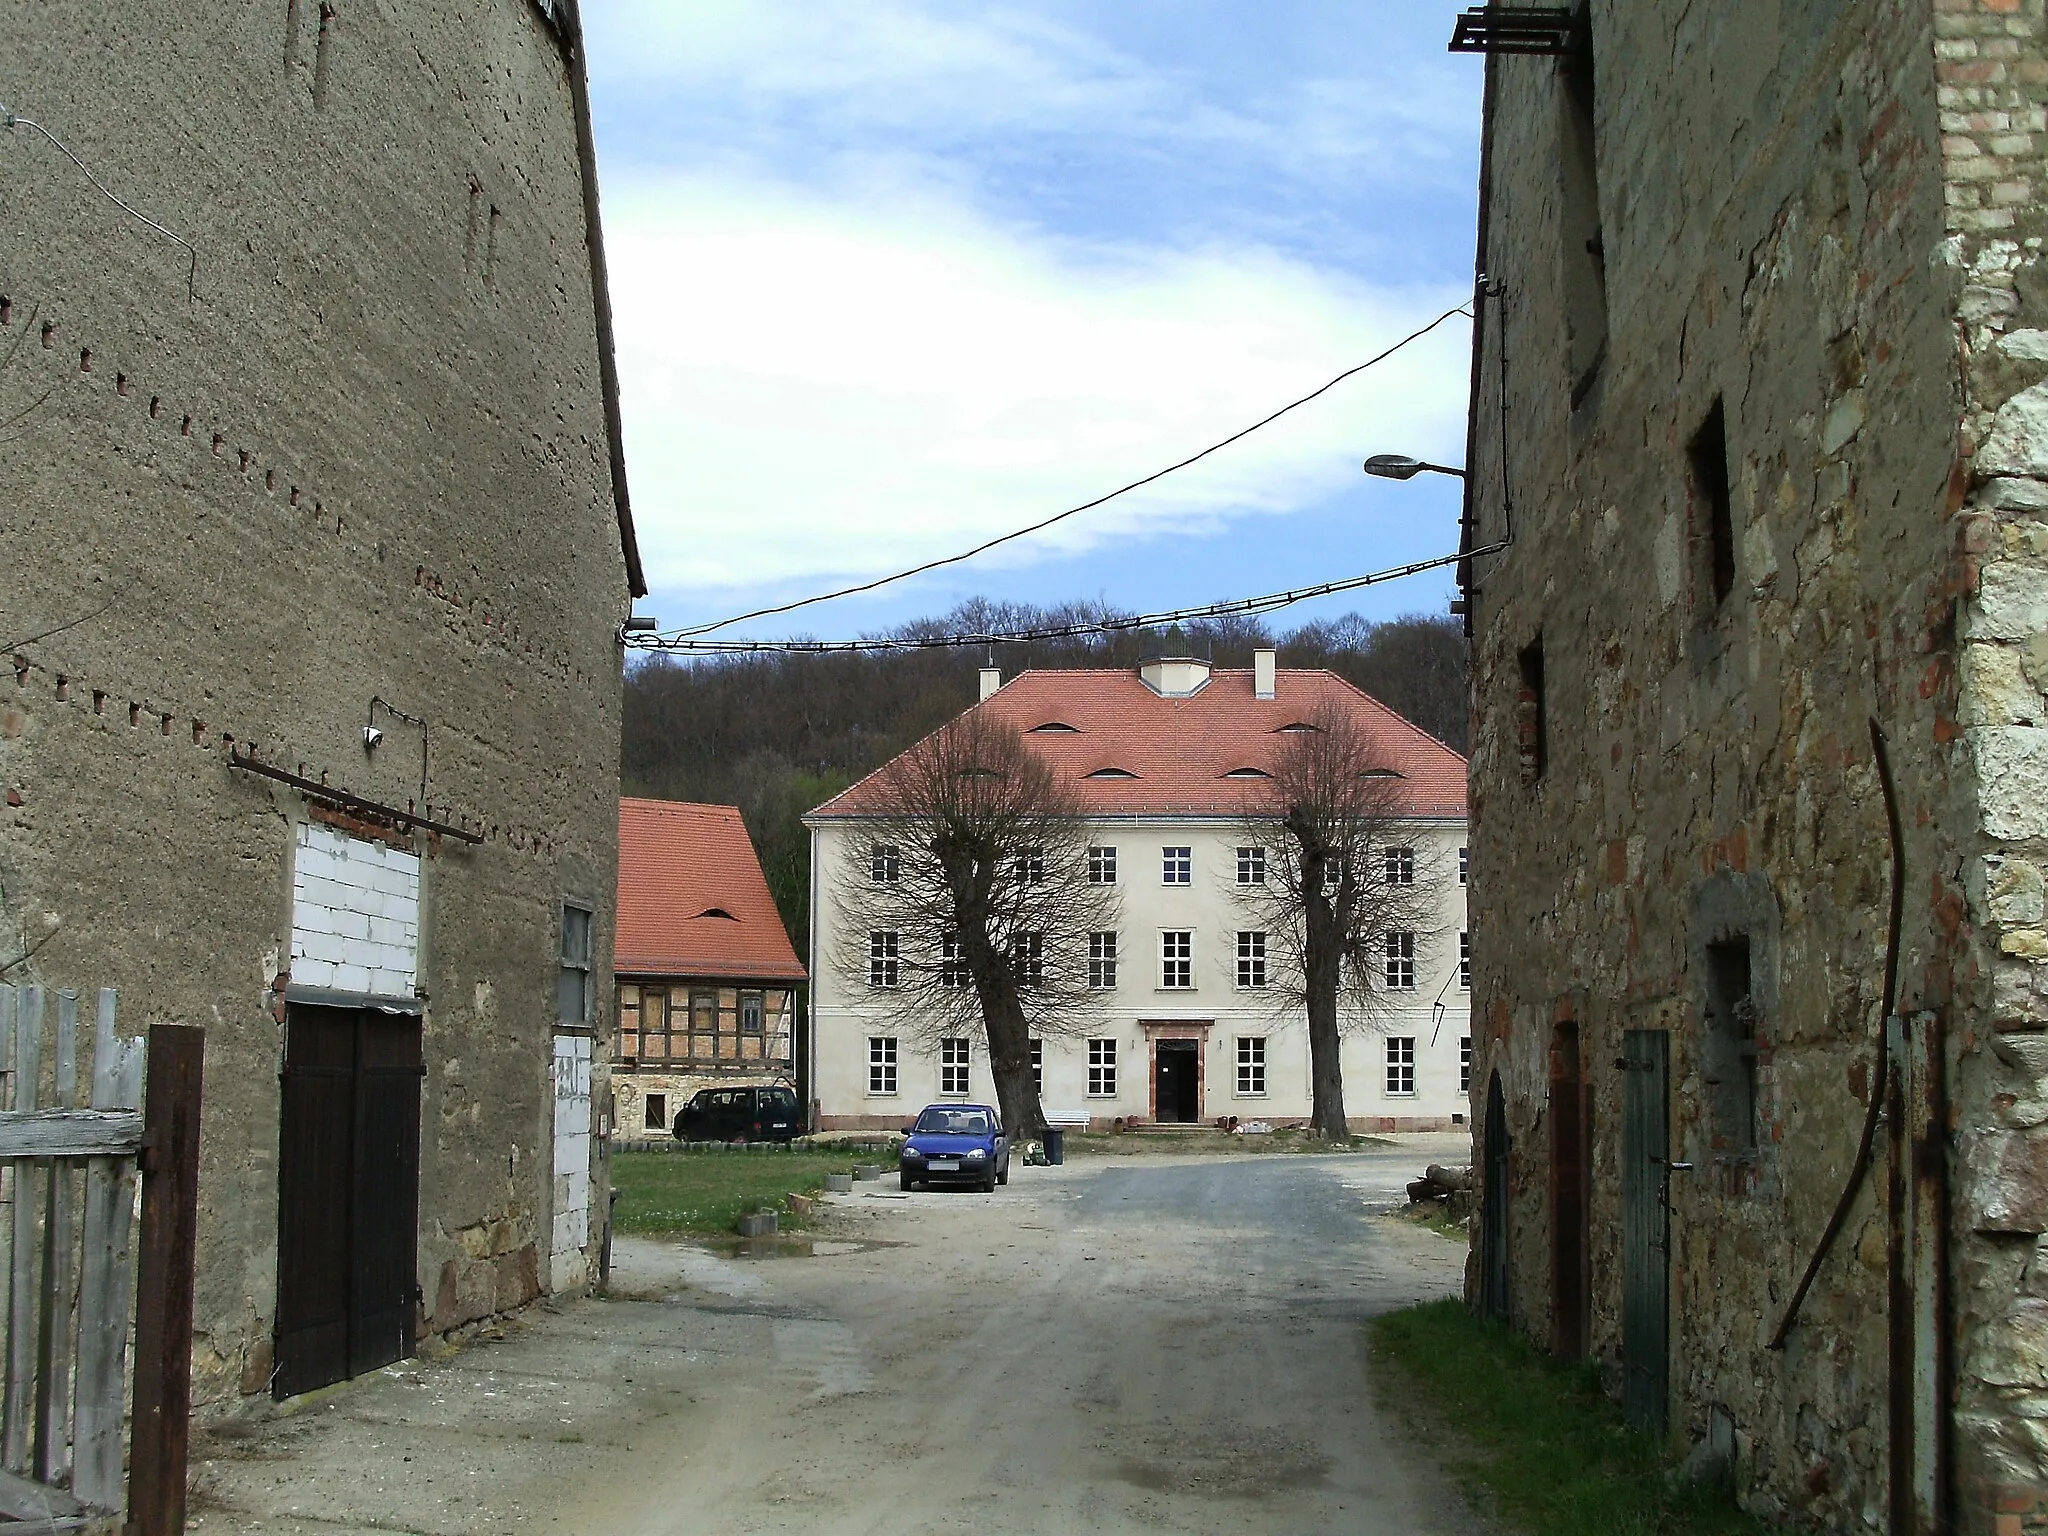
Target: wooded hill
777,734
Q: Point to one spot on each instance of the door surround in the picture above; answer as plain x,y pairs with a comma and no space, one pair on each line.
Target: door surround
1157,1030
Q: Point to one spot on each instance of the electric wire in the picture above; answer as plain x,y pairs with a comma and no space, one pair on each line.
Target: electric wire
984,547
684,645
9,119
15,645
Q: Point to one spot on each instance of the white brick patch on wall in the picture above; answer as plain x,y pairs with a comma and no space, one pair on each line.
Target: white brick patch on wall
355,914
572,1161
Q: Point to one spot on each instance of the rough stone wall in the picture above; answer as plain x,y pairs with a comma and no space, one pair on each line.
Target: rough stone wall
364,455
1771,204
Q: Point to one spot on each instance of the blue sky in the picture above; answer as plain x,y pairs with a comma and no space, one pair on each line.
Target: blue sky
894,276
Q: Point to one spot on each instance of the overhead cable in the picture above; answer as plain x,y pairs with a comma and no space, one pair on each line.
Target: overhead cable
984,547
8,119
1235,607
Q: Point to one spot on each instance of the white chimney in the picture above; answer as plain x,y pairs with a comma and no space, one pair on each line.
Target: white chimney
1265,673
991,680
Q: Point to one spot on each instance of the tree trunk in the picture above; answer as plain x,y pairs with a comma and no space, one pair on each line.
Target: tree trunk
1325,1064
1009,1060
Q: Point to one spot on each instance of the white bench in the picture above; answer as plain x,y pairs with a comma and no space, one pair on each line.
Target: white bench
1067,1119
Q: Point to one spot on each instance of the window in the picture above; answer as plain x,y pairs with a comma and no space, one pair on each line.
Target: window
753,1010
657,1112
1038,1066
1102,960
1465,961
885,864
1027,958
629,1021
1251,1065
1464,866
1585,252
1333,874
881,1064
1400,961
1713,519
1251,866
1401,1064
1102,866
1465,1064
1177,866
885,964
1101,1069
1728,1060
952,963
1251,959
1398,865
1529,721
1029,867
953,1068
572,983
704,1026
1177,958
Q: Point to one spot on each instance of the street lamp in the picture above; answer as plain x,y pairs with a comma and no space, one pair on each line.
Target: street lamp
1398,466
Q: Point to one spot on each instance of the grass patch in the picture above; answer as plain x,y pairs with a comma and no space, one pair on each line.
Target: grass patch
1541,1437
707,1190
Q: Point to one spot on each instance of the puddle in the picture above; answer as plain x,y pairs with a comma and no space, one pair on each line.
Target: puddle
784,1246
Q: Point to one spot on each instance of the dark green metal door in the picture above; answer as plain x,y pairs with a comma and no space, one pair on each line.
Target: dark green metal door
1645,1228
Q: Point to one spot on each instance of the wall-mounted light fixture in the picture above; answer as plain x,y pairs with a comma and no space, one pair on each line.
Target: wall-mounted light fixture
1398,466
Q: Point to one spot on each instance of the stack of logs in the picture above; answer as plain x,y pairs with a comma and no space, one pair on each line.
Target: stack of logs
1447,1191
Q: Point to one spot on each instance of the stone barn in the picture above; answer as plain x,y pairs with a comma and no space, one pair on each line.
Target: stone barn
311,578
1758,462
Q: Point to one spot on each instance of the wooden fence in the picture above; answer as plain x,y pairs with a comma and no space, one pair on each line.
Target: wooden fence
67,1233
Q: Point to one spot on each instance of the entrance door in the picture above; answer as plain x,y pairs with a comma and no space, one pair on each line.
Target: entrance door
348,1195
1645,1228
1178,1083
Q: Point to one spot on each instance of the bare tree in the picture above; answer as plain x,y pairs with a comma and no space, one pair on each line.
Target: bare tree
1341,890
967,907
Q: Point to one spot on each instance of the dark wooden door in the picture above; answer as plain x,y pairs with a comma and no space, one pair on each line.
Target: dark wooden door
348,1195
1645,1228
1179,1084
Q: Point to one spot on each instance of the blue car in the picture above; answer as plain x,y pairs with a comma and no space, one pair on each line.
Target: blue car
956,1144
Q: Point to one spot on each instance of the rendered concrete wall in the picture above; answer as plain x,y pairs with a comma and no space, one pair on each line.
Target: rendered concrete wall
365,456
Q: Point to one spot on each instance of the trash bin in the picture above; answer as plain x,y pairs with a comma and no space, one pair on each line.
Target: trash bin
1055,1145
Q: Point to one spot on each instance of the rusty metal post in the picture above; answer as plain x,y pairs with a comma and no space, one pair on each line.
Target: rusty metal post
163,1312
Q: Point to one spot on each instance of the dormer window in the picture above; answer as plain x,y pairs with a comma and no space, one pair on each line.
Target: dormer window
1112,773
1299,725
718,912
1381,773
1055,726
1247,773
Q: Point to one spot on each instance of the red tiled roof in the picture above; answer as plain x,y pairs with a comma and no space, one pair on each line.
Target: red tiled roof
678,864
1181,751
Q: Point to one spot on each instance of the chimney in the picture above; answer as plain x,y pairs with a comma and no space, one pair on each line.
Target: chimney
1265,673
991,680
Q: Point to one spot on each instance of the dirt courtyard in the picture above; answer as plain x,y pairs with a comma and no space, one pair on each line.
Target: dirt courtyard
1148,1344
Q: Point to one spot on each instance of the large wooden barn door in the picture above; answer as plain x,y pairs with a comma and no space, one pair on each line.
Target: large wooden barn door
348,1195
1645,1228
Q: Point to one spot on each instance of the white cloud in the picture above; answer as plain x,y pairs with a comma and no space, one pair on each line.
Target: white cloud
819,385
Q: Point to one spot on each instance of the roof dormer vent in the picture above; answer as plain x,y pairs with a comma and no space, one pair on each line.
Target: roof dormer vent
1175,677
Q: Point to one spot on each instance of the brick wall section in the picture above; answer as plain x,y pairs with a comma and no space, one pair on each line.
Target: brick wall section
355,914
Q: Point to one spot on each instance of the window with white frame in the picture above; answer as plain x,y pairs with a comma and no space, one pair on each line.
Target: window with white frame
1101,1069
1400,1065
881,1064
1177,958
1029,867
1102,866
1251,959
1400,952
573,1001
885,864
1177,866
1465,1064
953,1068
1464,865
1333,874
1027,958
657,1112
1251,866
1251,1065
952,962
1398,865
1465,960
1037,1066
885,960
1102,960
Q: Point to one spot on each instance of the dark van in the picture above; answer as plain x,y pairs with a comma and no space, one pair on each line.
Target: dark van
738,1114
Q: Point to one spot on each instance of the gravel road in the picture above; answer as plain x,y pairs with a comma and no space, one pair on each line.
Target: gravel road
1146,1344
